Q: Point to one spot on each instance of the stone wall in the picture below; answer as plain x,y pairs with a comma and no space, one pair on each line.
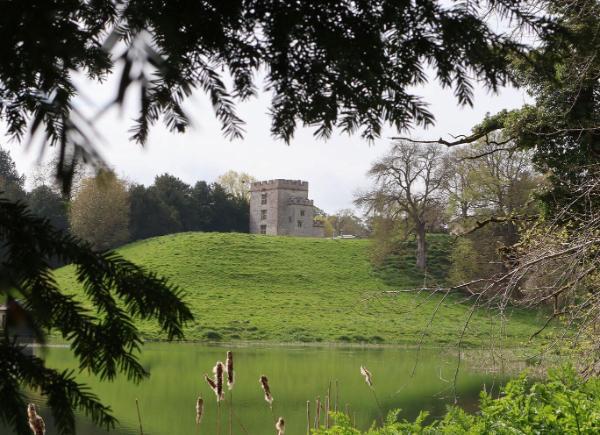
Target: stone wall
287,211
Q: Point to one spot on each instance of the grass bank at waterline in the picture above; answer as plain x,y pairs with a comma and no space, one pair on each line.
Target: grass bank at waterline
286,289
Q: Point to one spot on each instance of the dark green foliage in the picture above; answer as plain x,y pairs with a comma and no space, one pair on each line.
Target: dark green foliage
564,403
103,338
177,196
329,64
228,213
11,183
149,216
46,203
171,206
561,126
398,267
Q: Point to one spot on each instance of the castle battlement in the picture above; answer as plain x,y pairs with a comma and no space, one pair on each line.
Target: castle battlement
294,200
279,183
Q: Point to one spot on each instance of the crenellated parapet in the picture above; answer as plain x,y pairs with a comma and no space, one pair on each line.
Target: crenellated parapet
295,200
279,183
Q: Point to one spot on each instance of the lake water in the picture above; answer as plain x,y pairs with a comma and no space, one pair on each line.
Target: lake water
296,374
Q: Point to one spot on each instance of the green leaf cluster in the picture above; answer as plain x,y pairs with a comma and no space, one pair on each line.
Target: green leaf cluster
563,403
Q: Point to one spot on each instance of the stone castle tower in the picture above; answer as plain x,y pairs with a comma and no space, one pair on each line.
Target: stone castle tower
282,207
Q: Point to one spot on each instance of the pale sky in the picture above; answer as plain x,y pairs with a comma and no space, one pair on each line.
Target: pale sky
335,169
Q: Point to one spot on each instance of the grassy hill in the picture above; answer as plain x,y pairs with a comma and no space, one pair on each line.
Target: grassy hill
285,289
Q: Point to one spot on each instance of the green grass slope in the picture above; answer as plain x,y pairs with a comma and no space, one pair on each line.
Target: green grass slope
285,289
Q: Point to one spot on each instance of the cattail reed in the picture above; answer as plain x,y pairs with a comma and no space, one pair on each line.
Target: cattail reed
308,417
264,382
230,375
210,383
230,382
280,426
317,412
369,380
367,374
36,423
218,372
199,409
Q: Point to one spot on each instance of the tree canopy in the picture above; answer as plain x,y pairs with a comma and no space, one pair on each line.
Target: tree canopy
103,338
328,64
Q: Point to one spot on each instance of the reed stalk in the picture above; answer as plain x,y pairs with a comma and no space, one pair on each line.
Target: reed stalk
378,406
317,412
327,412
230,382
240,423
328,405
369,380
218,417
137,406
308,417
230,412
337,390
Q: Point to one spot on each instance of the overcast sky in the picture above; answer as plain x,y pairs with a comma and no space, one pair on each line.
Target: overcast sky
335,169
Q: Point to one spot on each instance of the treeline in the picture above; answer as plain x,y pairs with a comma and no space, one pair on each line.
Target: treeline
107,211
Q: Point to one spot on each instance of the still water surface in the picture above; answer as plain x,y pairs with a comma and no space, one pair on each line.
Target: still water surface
296,374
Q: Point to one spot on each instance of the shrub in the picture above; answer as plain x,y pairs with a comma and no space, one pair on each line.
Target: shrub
564,403
212,335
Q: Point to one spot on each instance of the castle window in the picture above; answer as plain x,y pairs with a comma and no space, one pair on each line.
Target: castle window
290,219
299,224
263,198
263,215
263,229
301,212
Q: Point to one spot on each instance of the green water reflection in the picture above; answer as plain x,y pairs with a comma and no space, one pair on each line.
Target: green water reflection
167,399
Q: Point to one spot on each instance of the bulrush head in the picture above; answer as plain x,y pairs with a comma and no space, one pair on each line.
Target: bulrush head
229,365
199,409
36,423
367,374
211,384
218,371
280,426
264,382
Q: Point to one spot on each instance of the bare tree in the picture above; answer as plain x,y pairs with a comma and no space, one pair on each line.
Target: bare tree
409,183
492,186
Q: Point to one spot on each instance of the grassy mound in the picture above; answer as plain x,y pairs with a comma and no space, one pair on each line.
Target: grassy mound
286,289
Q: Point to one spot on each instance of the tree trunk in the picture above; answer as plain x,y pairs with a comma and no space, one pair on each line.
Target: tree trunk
421,247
